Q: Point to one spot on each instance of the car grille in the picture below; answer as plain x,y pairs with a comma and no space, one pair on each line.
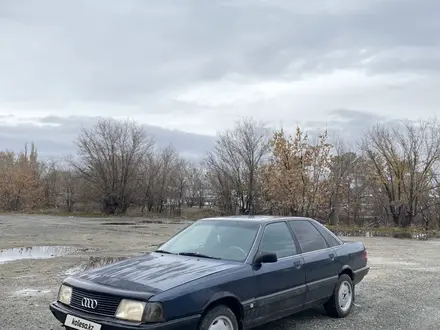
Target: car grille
107,304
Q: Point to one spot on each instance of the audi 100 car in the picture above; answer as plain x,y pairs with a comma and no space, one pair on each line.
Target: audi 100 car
230,273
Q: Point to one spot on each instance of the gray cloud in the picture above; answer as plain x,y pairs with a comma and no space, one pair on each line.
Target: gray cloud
119,51
197,65
355,117
348,125
56,137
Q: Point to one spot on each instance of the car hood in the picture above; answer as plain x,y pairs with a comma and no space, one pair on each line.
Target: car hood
155,272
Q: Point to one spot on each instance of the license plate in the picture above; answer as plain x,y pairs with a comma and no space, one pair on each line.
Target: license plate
80,324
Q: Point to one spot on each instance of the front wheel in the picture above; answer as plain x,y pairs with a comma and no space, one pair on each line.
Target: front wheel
342,300
219,318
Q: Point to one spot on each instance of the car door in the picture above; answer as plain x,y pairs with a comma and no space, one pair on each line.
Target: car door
280,285
320,264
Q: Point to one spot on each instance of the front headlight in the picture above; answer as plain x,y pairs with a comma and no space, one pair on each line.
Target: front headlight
139,311
65,294
153,312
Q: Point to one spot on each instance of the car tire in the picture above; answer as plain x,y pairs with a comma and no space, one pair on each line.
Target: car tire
219,313
342,301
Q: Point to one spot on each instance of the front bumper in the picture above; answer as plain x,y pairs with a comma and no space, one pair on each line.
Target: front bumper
60,312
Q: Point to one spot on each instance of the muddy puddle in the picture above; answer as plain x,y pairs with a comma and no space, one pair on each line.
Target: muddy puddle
34,252
125,223
118,223
145,222
94,262
167,222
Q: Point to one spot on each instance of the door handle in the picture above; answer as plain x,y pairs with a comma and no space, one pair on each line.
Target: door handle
297,264
331,256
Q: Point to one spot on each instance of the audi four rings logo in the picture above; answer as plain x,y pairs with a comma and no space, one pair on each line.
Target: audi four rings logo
89,303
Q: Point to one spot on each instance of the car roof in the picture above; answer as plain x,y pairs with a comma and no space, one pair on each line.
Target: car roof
257,218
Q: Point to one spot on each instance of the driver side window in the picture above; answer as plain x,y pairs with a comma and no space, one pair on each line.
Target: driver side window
194,238
277,239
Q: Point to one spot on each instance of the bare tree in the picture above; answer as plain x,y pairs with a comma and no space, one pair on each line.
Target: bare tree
420,143
180,182
70,184
110,155
196,186
235,162
163,181
430,203
403,157
48,172
168,160
394,179
148,181
341,169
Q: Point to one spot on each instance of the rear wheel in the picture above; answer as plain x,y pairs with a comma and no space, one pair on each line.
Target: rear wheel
219,318
342,300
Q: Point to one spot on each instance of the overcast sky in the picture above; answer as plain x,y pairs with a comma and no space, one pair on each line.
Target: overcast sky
188,68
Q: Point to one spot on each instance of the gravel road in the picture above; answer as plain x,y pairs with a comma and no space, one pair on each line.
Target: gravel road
402,290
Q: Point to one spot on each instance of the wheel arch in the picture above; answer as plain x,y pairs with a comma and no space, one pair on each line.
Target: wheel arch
228,299
348,271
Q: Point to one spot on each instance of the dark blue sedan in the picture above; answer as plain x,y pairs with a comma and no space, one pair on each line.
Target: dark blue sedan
226,273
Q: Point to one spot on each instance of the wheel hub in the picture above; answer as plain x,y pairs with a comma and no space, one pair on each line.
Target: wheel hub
221,323
345,296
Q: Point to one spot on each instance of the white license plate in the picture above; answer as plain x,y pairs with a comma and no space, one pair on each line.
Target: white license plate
80,324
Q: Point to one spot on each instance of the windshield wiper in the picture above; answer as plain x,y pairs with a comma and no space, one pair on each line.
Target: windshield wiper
196,254
163,251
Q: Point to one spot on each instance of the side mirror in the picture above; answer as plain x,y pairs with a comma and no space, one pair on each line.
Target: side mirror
265,257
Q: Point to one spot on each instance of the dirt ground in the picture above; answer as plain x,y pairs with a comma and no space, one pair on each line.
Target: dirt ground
402,290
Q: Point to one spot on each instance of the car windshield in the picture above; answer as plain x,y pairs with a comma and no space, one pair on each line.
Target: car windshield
219,239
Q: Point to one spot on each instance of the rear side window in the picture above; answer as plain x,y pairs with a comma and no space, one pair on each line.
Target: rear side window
331,240
308,236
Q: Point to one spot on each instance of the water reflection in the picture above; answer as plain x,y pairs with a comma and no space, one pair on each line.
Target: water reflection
95,262
33,252
118,223
167,222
